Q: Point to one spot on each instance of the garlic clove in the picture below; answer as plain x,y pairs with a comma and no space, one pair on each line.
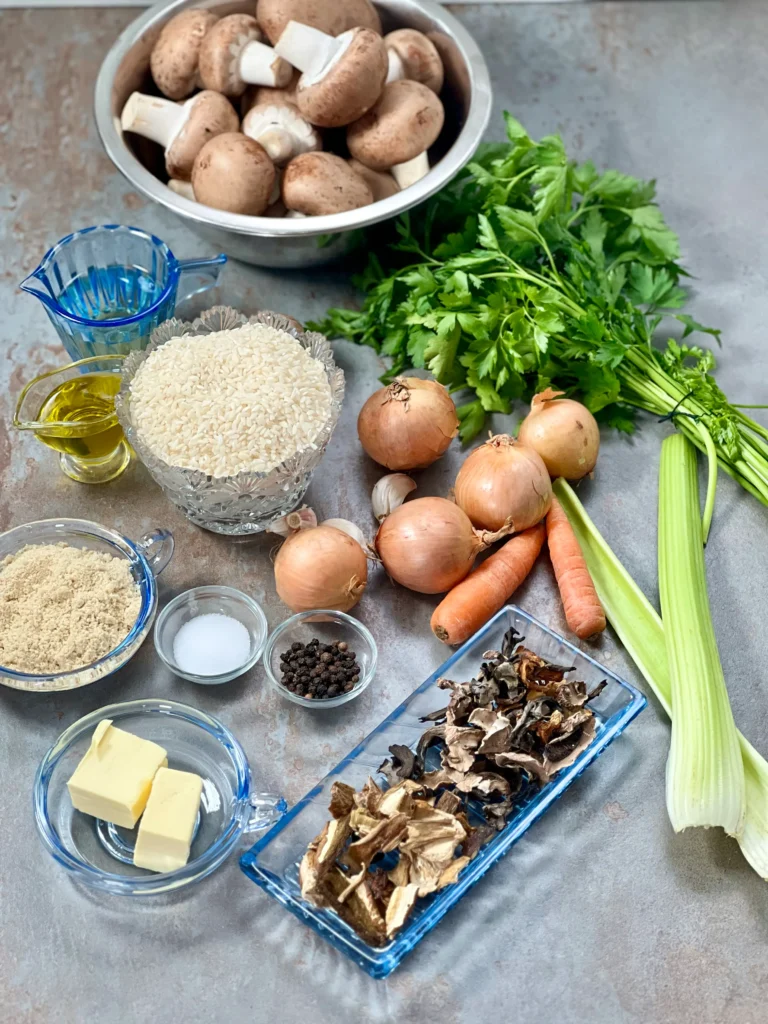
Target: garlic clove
389,493
349,528
302,519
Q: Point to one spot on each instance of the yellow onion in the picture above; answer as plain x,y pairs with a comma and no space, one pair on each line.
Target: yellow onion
408,424
320,568
564,433
429,544
502,480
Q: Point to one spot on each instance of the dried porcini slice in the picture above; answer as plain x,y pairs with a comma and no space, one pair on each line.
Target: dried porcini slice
519,719
369,796
322,853
342,799
399,907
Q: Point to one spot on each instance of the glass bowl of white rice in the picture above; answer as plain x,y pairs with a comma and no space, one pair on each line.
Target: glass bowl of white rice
231,414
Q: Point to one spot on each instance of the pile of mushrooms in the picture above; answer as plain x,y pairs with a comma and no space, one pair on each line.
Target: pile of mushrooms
299,71
503,734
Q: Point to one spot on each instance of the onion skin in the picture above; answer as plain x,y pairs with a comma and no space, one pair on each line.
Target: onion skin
320,568
502,479
564,433
429,545
409,424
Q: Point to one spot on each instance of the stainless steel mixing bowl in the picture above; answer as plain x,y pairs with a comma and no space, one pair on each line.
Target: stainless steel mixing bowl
274,242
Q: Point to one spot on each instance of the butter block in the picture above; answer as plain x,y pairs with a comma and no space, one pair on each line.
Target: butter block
165,830
114,778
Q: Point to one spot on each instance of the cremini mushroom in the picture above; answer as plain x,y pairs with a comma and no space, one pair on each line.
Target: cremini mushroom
234,173
173,61
265,95
330,16
412,55
315,184
182,129
342,77
381,183
396,133
182,188
281,130
233,56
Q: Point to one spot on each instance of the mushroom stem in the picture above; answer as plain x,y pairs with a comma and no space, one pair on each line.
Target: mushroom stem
278,144
396,67
411,171
155,118
259,64
306,48
295,215
182,188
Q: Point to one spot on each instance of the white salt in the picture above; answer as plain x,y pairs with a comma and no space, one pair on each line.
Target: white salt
210,645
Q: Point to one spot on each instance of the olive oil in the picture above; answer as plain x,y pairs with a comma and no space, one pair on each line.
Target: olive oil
81,414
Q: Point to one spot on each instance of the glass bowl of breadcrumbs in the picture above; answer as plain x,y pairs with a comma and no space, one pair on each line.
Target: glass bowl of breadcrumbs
77,600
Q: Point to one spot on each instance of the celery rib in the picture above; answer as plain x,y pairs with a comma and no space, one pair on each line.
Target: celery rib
705,776
641,631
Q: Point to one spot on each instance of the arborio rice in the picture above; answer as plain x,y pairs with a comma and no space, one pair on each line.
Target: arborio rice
230,402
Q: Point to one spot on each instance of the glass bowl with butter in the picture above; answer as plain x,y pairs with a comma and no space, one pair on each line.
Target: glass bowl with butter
133,770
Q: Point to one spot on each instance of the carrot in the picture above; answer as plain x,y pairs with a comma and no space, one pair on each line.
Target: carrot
473,601
583,611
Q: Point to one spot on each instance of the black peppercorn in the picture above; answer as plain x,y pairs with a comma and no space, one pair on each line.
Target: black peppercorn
318,671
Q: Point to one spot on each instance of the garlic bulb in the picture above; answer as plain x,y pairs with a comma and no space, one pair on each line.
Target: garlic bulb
389,493
302,519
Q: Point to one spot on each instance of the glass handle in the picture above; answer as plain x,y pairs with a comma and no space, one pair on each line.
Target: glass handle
203,274
157,547
268,808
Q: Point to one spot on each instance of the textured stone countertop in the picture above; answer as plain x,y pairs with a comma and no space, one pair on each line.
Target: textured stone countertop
601,915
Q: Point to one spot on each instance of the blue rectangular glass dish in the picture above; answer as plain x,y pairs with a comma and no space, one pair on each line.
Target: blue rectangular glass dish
273,862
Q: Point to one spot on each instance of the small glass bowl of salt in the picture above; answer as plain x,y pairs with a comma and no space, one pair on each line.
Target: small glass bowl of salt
211,635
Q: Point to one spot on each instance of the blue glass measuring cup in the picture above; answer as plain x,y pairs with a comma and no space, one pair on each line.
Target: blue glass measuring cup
106,288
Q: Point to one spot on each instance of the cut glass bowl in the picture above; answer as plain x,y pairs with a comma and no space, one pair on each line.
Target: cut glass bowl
247,502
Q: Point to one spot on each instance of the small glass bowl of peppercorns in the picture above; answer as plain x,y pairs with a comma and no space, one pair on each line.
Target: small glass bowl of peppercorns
320,659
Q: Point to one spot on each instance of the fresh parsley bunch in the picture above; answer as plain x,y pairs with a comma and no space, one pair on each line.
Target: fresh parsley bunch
530,270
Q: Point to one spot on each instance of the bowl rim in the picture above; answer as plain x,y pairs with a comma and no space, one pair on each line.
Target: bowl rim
154,883
330,702
148,599
231,593
466,143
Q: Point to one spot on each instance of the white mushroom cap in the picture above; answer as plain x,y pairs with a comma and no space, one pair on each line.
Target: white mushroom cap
381,183
404,123
412,55
173,61
232,56
281,130
234,173
330,16
182,129
343,77
316,184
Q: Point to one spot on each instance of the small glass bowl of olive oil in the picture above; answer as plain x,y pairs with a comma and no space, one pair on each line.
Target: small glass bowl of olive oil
72,410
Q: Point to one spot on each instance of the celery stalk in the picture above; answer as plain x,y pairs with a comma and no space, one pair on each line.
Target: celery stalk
640,630
705,776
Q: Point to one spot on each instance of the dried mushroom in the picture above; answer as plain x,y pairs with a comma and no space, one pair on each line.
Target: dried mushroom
515,726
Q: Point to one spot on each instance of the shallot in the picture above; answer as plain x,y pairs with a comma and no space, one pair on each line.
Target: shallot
321,568
563,432
429,544
502,480
408,424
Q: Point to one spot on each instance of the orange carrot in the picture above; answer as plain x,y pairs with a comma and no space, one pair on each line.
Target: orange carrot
473,601
583,611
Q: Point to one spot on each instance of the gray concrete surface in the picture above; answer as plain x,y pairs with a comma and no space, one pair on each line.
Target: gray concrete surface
601,914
